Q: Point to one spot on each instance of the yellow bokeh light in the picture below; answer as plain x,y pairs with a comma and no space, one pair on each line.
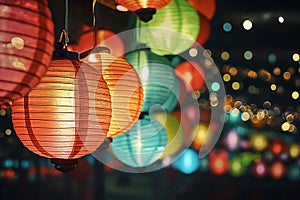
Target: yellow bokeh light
287,75
294,150
233,71
273,87
285,126
193,52
280,19
295,95
121,8
296,57
225,55
245,116
226,77
247,24
8,132
2,112
235,85
276,71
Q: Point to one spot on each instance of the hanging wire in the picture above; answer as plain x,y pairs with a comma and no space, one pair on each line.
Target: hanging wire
64,38
94,23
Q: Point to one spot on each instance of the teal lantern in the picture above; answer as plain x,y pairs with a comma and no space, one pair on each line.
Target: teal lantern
173,29
142,145
160,84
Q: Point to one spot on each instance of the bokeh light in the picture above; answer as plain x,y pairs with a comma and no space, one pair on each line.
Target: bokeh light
247,24
248,55
227,27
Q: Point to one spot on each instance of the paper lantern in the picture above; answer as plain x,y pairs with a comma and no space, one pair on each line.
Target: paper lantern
67,115
188,162
172,30
174,131
125,89
258,142
259,169
26,45
205,7
143,8
218,162
205,30
277,170
158,79
192,74
142,145
105,38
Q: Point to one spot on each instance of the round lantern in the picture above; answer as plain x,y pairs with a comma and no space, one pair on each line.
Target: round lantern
26,45
218,162
174,131
277,170
143,8
105,38
192,74
172,30
125,89
142,145
158,79
205,7
259,169
67,115
205,30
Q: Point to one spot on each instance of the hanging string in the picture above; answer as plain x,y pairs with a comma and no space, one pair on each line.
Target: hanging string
64,38
94,24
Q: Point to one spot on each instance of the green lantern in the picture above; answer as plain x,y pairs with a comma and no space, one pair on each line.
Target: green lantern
172,30
142,145
160,84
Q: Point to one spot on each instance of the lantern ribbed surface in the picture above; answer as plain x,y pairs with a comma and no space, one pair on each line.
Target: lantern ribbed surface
26,45
125,88
134,5
158,79
67,115
142,145
172,30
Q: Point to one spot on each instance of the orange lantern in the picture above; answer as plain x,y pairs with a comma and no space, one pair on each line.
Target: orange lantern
205,7
277,146
104,38
66,116
125,87
205,30
192,74
26,45
277,170
143,8
218,162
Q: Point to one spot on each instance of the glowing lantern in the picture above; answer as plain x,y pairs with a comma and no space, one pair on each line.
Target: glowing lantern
218,162
259,169
26,45
236,168
125,89
192,74
258,142
277,170
104,38
143,8
67,115
205,7
294,151
205,30
201,135
188,162
276,146
167,33
174,132
158,79
142,145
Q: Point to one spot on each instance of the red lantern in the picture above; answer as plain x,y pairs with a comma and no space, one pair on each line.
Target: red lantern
104,38
277,146
205,7
67,115
192,74
124,83
205,30
26,45
143,8
218,162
